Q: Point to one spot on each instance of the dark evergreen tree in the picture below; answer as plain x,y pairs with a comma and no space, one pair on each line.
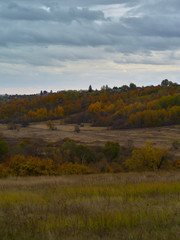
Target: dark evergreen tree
90,88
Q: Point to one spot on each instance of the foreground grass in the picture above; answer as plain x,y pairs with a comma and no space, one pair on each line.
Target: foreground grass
123,206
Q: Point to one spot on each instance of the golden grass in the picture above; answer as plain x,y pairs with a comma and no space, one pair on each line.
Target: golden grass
129,206
162,136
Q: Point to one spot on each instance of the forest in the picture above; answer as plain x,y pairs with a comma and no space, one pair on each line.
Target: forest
117,108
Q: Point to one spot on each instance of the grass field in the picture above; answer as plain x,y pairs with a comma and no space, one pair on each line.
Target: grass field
161,136
126,206
94,136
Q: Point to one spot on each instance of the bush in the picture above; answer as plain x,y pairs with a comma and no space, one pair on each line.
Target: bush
24,124
116,167
74,168
28,148
76,129
176,144
109,169
20,165
177,164
12,126
4,172
148,158
50,125
4,150
111,150
30,166
85,154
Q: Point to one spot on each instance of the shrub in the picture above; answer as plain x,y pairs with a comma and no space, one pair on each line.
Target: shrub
177,164
147,158
74,168
109,169
50,125
25,124
28,148
111,150
101,165
85,154
12,126
176,144
4,150
69,151
4,172
116,167
76,129
30,166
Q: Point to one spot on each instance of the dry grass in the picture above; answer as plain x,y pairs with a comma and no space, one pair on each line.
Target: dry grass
130,206
161,136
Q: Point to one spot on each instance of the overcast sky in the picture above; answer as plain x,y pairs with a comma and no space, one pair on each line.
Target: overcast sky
70,44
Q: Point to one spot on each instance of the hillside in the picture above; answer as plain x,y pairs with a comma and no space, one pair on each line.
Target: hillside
118,108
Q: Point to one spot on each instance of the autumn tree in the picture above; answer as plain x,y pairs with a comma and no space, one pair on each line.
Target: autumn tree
30,166
126,107
147,158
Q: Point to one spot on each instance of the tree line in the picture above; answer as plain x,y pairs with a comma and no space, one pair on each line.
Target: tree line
34,158
123,107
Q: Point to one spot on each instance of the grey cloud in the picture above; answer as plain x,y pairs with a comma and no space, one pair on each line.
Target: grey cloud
49,56
159,7
14,11
150,26
158,58
74,2
154,26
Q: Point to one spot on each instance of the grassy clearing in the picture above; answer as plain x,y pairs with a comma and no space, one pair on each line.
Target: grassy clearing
121,206
161,136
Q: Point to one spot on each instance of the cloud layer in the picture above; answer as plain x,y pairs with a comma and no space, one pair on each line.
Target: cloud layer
60,34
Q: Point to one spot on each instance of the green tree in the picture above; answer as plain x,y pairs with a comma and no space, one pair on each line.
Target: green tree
164,83
132,86
85,154
111,150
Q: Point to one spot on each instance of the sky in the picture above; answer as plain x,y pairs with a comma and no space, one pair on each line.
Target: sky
70,44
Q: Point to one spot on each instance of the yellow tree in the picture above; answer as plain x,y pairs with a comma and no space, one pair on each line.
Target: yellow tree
59,112
95,107
147,158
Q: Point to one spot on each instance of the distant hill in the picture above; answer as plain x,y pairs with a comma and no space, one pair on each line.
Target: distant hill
120,107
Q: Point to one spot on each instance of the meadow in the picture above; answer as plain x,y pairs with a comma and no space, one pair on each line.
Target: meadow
127,206
90,135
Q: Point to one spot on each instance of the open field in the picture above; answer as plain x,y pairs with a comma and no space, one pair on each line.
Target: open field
161,136
125,206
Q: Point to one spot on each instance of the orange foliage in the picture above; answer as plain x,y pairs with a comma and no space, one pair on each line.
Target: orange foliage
95,107
30,166
74,168
123,107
